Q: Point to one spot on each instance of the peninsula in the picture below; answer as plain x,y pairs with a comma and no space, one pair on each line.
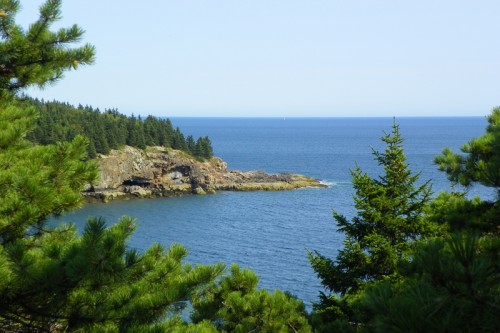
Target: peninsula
164,172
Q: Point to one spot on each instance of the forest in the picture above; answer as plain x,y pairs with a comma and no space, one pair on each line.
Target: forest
410,261
108,130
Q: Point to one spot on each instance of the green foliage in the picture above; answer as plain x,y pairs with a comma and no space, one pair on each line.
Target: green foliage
54,280
235,305
107,130
480,161
36,181
389,221
453,285
178,140
37,56
51,279
204,147
459,213
93,282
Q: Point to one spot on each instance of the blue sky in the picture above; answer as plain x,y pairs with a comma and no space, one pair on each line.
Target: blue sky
284,58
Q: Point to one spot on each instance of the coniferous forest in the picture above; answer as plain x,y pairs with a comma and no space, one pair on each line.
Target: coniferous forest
410,261
108,130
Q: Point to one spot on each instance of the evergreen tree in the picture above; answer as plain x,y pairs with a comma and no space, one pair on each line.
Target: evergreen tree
51,279
206,145
178,141
452,285
389,220
37,56
167,133
121,134
98,133
199,149
138,133
109,130
38,181
135,131
235,305
478,163
191,145
91,151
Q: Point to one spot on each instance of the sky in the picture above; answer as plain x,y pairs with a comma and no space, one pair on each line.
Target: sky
284,58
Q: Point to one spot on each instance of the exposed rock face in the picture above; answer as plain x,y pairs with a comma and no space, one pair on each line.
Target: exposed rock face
158,171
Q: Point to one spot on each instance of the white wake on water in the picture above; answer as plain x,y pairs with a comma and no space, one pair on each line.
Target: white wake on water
332,183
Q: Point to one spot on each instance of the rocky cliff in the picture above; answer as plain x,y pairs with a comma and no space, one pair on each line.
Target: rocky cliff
158,171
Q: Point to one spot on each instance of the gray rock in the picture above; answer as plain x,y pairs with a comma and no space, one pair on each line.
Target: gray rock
159,171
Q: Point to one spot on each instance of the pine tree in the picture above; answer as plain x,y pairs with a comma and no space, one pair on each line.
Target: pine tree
37,56
152,131
235,305
135,131
169,133
38,181
178,141
207,148
389,220
199,149
109,130
191,145
52,279
479,163
452,285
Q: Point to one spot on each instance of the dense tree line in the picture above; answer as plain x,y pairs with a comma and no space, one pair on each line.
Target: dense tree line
410,262
58,122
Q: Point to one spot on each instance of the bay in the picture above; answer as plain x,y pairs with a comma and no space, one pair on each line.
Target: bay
271,232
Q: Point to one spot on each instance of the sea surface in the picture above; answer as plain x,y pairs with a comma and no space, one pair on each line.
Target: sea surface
271,232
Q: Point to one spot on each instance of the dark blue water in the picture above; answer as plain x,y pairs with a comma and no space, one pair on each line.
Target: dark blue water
270,232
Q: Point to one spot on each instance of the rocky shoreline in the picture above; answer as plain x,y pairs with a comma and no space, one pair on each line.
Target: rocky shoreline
163,172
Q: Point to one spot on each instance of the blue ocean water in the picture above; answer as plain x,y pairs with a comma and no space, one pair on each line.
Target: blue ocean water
271,232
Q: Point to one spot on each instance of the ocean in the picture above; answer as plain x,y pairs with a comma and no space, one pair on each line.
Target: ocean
271,232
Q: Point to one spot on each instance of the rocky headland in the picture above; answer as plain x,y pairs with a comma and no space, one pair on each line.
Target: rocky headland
163,172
